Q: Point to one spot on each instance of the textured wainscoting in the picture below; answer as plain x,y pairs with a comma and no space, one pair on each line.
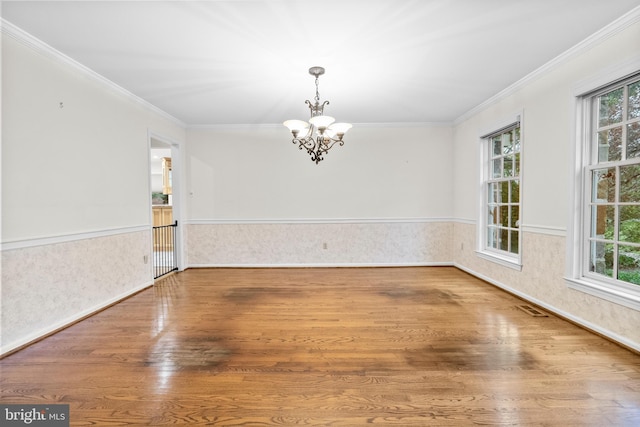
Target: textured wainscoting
542,282
46,287
319,244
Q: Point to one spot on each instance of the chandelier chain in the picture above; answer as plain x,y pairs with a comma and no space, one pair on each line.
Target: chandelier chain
317,89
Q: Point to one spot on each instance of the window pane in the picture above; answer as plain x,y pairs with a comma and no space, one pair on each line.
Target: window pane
498,192
601,258
630,183
629,264
497,145
517,165
492,237
610,109
629,224
515,191
504,239
493,192
514,241
604,185
515,216
497,168
504,215
504,186
508,166
507,143
633,140
610,144
602,221
516,139
493,217
634,100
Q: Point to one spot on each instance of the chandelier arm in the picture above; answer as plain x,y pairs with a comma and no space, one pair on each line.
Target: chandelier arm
313,148
330,142
306,143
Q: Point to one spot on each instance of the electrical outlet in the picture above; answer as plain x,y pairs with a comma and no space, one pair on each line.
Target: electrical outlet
146,259
324,245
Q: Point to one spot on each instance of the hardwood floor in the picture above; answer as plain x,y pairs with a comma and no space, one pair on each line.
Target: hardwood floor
327,347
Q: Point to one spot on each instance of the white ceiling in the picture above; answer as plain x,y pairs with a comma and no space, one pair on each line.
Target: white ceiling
245,61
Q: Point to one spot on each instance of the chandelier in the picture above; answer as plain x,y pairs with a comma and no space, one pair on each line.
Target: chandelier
320,134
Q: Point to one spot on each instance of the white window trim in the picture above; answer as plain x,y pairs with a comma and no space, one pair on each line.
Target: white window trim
499,257
575,276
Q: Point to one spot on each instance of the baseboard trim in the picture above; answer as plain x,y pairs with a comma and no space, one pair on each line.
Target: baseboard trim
305,221
605,333
320,265
69,321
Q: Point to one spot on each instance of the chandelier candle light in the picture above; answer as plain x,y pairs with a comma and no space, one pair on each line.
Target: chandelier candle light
327,133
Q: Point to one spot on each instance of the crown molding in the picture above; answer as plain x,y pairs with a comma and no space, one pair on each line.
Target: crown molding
405,125
236,126
617,26
332,221
263,126
28,40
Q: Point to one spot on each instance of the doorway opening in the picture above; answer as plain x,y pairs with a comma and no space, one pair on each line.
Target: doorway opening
163,207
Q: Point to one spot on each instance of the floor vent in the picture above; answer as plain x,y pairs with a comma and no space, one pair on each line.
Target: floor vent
532,311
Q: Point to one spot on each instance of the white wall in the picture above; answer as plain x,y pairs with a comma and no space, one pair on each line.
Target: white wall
548,138
75,190
254,198
98,135
379,173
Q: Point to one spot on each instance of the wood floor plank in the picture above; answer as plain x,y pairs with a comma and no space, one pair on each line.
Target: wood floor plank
412,346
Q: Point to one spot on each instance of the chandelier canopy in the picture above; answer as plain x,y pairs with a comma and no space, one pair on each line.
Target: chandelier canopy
320,134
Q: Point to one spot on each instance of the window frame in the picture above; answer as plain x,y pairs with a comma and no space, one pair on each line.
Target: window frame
483,250
578,275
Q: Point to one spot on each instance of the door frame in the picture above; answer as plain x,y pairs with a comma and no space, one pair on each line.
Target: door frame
176,191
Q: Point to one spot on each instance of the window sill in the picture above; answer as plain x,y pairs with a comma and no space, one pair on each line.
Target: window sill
505,261
619,294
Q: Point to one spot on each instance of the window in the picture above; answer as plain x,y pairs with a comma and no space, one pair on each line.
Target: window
609,237
613,223
500,218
